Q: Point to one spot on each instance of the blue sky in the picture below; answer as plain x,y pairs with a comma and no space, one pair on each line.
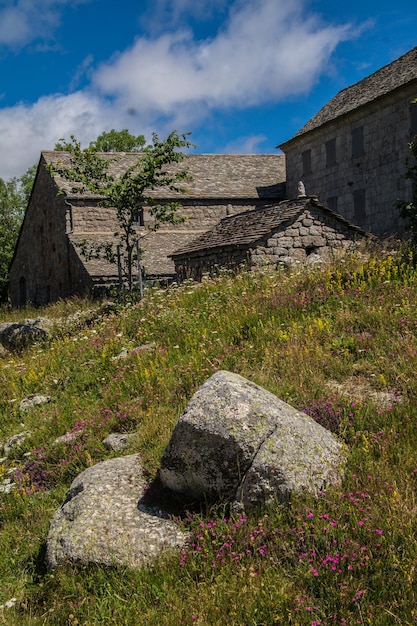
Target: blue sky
241,75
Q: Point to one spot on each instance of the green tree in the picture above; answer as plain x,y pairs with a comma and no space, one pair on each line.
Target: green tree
26,183
118,141
111,141
12,207
89,171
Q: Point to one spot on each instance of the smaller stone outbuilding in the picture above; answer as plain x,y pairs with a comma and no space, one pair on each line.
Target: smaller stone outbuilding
300,230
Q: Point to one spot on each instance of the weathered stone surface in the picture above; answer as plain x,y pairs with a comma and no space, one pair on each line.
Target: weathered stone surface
68,437
267,236
118,441
33,401
17,336
127,352
100,520
216,438
237,441
14,442
299,455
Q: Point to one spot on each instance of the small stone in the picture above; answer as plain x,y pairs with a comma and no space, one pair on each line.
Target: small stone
14,442
118,441
33,401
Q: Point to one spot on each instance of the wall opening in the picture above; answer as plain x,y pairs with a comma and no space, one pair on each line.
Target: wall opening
357,142
306,158
22,291
331,152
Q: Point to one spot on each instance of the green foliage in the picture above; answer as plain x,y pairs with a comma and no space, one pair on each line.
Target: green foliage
14,197
26,183
118,141
111,141
89,171
340,342
12,206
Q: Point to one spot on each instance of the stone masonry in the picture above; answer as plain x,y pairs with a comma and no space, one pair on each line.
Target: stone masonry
292,231
353,153
48,263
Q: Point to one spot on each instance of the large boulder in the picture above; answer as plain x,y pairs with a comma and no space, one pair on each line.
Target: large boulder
17,336
238,442
102,520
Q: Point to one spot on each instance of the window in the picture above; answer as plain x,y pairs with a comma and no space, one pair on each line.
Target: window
357,141
331,152
359,213
22,291
332,203
306,156
138,218
413,118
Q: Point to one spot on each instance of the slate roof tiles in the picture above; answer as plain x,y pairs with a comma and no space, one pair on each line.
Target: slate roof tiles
388,78
245,229
213,175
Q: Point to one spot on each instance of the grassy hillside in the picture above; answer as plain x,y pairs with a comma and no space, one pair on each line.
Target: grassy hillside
340,343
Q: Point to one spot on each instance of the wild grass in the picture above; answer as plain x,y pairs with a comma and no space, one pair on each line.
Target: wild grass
339,342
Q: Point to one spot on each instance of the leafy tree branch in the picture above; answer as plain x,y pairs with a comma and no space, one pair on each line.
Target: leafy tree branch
89,171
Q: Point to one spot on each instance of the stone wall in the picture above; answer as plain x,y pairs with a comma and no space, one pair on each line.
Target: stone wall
378,171
94,223
314,233
200,215
48,264
40,272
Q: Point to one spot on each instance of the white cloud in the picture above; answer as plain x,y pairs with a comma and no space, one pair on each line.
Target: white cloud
265,52
27,20
27,129
245,145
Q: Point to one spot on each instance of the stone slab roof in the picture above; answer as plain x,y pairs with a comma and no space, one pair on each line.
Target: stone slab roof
245,229
156,248
385,80
213,175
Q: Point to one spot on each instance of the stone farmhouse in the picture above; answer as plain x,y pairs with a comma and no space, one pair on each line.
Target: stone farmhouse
352,153
351,156
48,263
302,230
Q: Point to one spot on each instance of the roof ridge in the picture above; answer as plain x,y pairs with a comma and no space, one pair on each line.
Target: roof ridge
391,76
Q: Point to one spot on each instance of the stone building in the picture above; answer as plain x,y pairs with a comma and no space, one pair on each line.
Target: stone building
352,153
48,263
302,230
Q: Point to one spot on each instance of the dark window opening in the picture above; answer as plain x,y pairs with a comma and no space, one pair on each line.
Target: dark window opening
413,118
138,218
359,212
357,142
332,203
331,152
22,291
306,156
